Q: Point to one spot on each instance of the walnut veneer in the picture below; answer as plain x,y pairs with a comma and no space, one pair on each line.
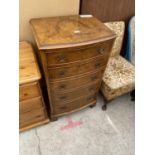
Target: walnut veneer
74,51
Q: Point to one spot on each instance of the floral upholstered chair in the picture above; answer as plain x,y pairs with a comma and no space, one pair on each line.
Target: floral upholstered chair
119,76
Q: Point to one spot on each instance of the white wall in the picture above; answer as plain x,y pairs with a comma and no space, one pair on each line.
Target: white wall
42,8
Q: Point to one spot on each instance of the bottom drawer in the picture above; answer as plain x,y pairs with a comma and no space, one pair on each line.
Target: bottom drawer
32,117
74,105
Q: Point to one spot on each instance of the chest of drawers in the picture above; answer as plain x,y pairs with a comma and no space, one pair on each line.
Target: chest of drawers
74,51
32,110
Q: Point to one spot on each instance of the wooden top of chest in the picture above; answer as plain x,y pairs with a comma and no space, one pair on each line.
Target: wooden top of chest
28,68
69,31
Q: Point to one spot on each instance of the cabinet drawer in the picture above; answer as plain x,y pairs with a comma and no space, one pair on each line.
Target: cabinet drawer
74,105
30,105
31,117
77,68
71,83
28,91
57,98
67,56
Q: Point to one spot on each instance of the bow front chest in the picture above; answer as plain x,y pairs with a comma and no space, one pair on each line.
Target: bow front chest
74,51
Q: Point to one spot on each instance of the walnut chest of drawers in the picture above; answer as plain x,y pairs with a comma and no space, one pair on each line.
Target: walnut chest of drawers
32,110
74,51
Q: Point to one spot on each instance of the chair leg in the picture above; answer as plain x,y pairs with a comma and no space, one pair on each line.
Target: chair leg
104,107
132,94
105,102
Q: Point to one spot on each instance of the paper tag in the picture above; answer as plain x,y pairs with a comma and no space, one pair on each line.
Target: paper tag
86,16
76,31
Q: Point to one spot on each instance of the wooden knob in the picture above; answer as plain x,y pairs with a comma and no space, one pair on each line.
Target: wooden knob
25,94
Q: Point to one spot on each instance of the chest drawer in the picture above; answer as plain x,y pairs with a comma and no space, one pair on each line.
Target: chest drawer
29,91
74,52
77,68
71,83
30,105
64,97
74,105
31,117
64,56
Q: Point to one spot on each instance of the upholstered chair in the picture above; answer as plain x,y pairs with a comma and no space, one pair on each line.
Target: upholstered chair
119,76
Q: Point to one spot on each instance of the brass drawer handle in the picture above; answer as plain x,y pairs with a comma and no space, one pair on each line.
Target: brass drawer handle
93,78
97,65
91,98
61,73
61,58
101,50
63,97
63,108
63,86
38,116
91,89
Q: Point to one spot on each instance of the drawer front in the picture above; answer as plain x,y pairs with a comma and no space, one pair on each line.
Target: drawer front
29,91
74,105
31,117
73,83
77,68
65,56
30,105
58,98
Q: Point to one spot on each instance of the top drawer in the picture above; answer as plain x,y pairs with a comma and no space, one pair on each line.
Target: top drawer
67,56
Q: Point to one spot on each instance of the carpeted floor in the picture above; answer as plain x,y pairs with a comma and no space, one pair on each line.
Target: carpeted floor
88,132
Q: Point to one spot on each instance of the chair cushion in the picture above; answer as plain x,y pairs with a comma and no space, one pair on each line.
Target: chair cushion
118,28
119,77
